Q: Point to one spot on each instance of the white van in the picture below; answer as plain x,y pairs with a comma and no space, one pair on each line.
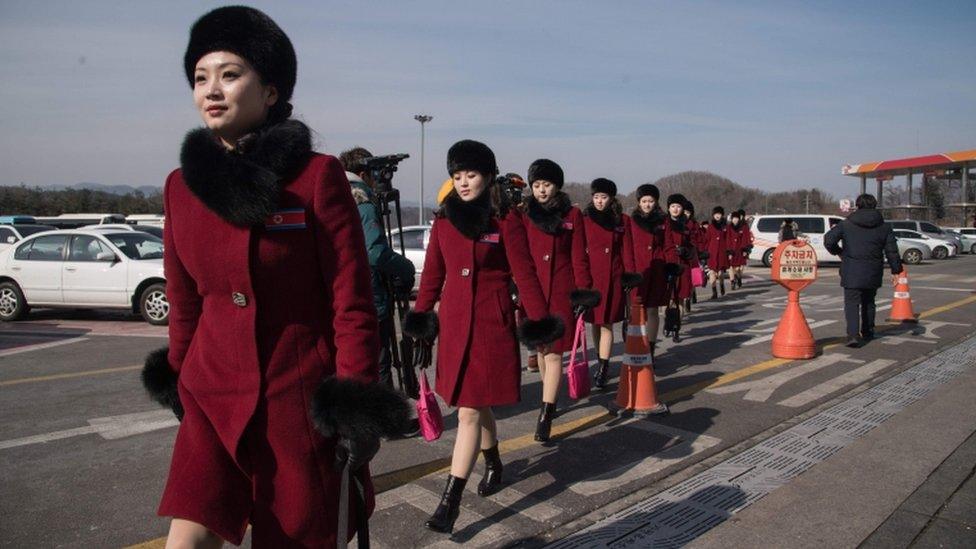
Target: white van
765,234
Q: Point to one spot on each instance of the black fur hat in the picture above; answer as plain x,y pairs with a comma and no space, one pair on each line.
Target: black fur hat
603,185
718,210
546,170
250,34
677,198
736,213
471,155
648,189
689,207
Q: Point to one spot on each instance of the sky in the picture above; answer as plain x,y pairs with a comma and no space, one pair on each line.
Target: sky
774,95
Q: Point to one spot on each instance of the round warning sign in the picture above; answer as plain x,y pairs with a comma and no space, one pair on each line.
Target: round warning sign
795,264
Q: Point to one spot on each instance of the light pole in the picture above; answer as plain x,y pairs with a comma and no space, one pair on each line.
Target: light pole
423,119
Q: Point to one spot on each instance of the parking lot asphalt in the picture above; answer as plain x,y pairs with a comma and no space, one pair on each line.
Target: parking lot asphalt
84,453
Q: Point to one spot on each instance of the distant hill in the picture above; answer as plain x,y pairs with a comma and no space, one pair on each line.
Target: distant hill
111,189
707,190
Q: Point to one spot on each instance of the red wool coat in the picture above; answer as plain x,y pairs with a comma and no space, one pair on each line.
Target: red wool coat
673,238
562,266
717,247
258,317
605,250
738,239
478,358
644,253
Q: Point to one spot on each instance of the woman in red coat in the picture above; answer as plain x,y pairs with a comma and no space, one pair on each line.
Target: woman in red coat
605,225
679,253
558,246
739,239
718,250
697,242
269,295
477,247
644,254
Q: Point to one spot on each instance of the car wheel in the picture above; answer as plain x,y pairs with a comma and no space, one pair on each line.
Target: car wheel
768,257
912,257
972,249
940,252
153,305
13,306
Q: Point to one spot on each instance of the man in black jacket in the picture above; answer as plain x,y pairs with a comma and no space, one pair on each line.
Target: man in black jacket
863,241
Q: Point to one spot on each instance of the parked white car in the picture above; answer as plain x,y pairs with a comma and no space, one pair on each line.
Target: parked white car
941,248
912,251
15,232
765,233
415,240
151,229
928,229
83,269
968,237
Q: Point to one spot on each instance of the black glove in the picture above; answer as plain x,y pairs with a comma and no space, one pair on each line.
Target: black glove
729,253
355,452
401,287
422,353
672,270
684,252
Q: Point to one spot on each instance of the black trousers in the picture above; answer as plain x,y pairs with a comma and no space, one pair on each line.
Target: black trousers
859,310
386,357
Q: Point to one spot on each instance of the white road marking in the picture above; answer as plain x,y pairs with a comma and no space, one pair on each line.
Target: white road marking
109,428
898,340
760,390
40,346
683,444
853,377
427,501
943,289
526,505
768,337
932,325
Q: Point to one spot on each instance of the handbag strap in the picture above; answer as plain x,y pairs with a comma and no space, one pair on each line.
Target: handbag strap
579,340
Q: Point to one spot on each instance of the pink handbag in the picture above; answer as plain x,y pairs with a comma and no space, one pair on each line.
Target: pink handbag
428,411
697,277
578,370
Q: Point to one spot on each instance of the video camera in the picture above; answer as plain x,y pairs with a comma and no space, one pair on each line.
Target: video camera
381,170
513,186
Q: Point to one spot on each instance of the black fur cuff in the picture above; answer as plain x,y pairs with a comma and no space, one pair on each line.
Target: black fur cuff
536,333
703,255
160,381
419,325
672,270
584,298
353,409
631,280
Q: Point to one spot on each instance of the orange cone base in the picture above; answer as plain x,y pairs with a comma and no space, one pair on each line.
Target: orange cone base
637,393
793,338
913,320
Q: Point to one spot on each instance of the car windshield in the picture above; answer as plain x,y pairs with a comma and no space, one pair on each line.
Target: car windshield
137,245
25,230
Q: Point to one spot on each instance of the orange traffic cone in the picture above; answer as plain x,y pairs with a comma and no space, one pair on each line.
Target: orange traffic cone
901,306
793,338
637,392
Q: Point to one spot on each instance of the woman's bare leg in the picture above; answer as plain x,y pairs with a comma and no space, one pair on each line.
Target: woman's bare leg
653,322
186,534
468,442
552,376
489,431
606,340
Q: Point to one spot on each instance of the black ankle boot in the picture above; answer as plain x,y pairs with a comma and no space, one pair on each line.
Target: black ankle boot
600,379
714,292
492,481
653,346
721,286
694,298
688,303
544,426
450,506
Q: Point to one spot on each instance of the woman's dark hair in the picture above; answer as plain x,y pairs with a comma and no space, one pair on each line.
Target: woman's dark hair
866,202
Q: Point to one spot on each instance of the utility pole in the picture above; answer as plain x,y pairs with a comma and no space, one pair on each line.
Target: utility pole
423,119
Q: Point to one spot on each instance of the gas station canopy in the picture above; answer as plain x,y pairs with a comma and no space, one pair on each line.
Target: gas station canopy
944,166
905,166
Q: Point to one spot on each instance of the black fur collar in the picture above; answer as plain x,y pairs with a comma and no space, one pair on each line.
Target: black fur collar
604,218
242,185
649,222
472,219
549,216
720,224
737,228
679,225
